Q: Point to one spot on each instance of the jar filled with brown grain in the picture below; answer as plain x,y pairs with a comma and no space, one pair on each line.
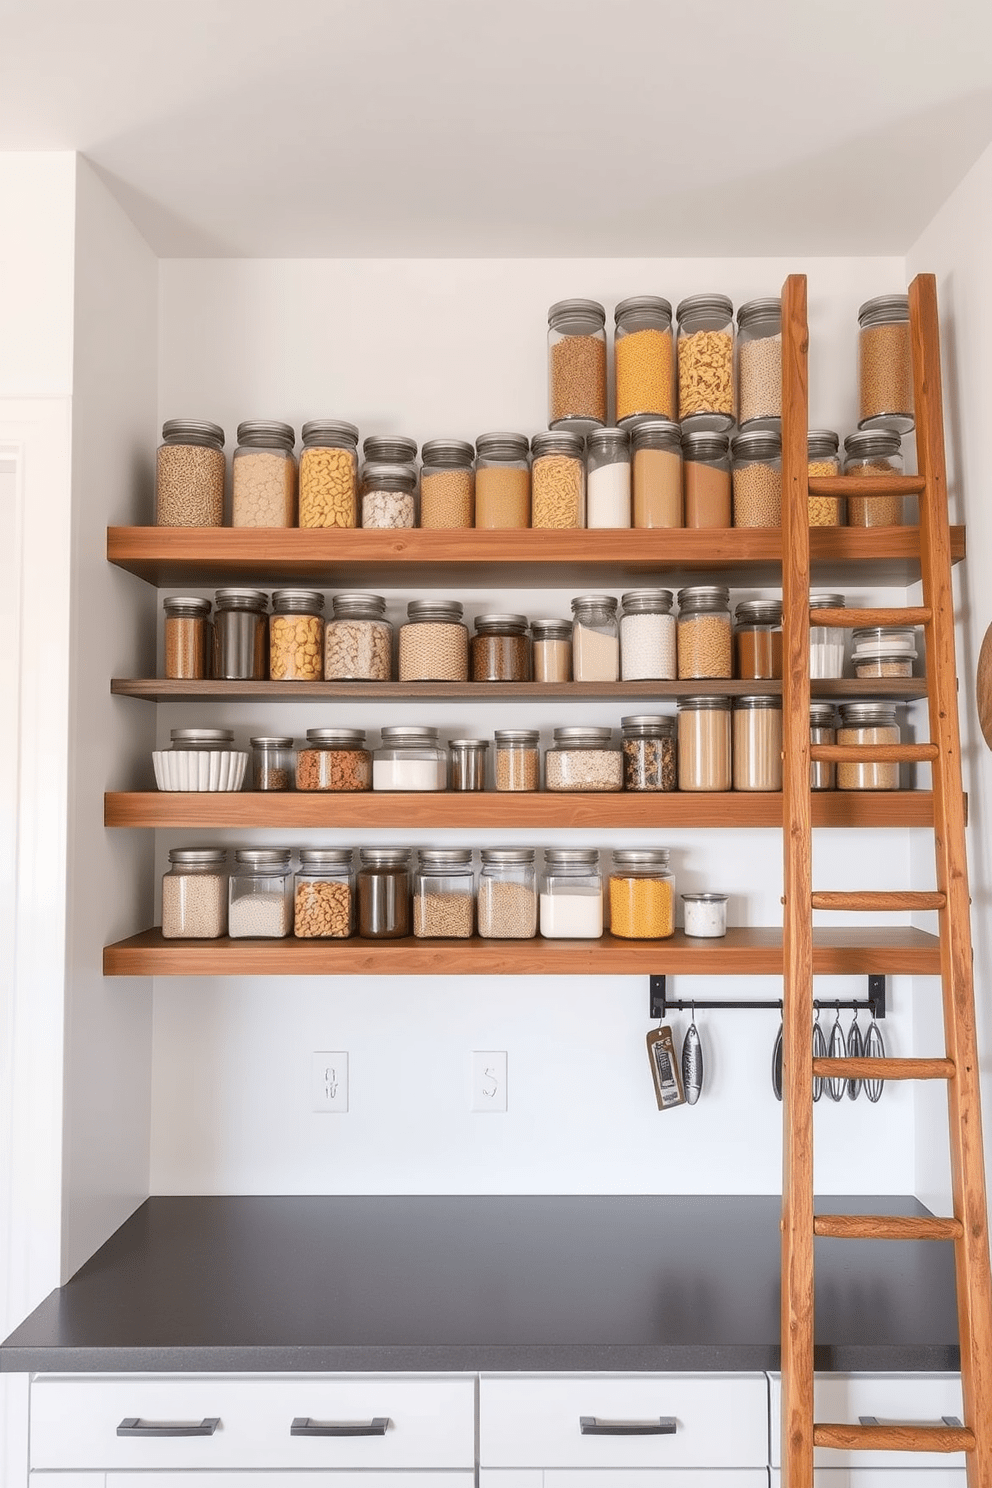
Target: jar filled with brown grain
648,746
502,480
759,364
188,641
552,650
296,636
389,499
706,479
647,636
241,635
434,642
189,474
384,893
447,484
868,723
656,461
358,640
444,894
576,365
758,639
757,457
324,894
595,638
706,363
583,759
263,475
608,483
875,452
501,649
644,359
822,459
885,364
329,474
518,760
822,730
757,743
704,634
194,894
273,762
507,906
558,480
642,894
704,743
334,759
467,770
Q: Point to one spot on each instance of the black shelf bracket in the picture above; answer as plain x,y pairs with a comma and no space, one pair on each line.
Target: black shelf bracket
661,1004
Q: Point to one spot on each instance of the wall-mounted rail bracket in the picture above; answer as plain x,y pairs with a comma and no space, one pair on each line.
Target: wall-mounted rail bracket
661,1004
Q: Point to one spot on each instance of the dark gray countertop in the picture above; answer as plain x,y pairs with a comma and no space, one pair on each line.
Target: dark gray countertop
556,1284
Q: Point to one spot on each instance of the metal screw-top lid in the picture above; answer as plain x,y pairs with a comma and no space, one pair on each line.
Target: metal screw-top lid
441,611
872,442
715,306
704,702
566,315
500,624
608,441
643,307
704,596
393,449
241,599
551,630
650,601
584,856
448,452
264,433
325,857
336,738
408,735
297,602
822,715
879,712
508,854
467,744
439,858
377,476
759,700
826,601
759,612
656,434
501,445
699,445
384,857
641,857
186,607
202,737
821,444
335,432
594,602
261,858
705,898
757,444
884,309
371,606
647,725
192,431
584,734
766,309
505,737
205,856
557,442
272,741
883,640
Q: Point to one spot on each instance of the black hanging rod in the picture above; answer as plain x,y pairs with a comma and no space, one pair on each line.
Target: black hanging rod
661,1003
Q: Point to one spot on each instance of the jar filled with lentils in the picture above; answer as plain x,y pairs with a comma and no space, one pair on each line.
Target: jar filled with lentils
706,363
757,457
758,639
444,894
447,484
264,475
704,639
706,477
502,480
576,365
583,759
501,649
649,752
334,759
468,764
875,452
757,743
595,638
273,762
329,474
434,642
823,460
552,650
384,893
187,637
759,364
296,636
656,462
822,730
642,894
558,480
647,636
644,359
704,743
358,640
518,760
189,474
608,486
885,364
324,894
241,635
868,723
389,496
507,907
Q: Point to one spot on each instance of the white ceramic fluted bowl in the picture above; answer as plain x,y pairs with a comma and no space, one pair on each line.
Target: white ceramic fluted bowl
199,769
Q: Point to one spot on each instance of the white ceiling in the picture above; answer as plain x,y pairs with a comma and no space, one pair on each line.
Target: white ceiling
508,127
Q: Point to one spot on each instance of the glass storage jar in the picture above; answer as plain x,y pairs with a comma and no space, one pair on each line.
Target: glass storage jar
501,649
704,641
868,723
705,915
883,651
467,771
558,480
583,759
648,752
444,894
187,637
608,483
273,763
334,759
571,900
642,894
389,449
552,650
822,459
329,474
388,496
874,453
656,460
576,365
502,480
826,642
324,898
757,743
644,359
706,478
447,484
647,636
410,759
759,365
241,635
263,474
595,639
518,760
189,474
296,636
384,893
260,901
757,458
885,364
358,640
758,639
434,642
822,730
507,906
194,894
704,748
706,363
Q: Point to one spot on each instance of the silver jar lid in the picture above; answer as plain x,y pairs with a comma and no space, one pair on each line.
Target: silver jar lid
597,738
709,596
565,312
707,702
650,601
203,738
822,715
447,452
872,442
634,307
697,445
608,441
325,857
297,602
334,432
390,449
264,433
272,741
876,711
408,735
551,630
441,611
371,606
757,444
509,737
385,857
186,607
826,601
766,309
496,624
468,744
594,602
192,431
705,304
656,433
203,856
759,612
262,858
241,599
641,857
821,444
884,309
379,476
439,858
502,445
508,854
647,725
758,700
336,738
883,640
557,442
705,898
577,855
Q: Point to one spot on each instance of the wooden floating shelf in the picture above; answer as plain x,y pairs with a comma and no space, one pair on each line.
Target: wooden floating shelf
743,951
617,557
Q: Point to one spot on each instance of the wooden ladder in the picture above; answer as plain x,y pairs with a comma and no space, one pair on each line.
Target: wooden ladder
968,1227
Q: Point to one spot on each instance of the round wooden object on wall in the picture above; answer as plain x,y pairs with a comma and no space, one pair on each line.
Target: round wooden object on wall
983,687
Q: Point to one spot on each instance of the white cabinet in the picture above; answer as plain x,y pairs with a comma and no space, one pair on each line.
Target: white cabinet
314,1479
882,1477
662,1477
890,1397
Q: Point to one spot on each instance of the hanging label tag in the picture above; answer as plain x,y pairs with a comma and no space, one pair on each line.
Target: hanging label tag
665,1068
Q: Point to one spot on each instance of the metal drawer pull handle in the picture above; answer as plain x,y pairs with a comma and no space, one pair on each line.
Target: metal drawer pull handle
135,1426
304,1426
593,1426
874,1421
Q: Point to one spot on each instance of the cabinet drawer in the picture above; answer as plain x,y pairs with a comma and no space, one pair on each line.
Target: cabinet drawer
659,1477
720,1421
431,1422
313,1479
890,1397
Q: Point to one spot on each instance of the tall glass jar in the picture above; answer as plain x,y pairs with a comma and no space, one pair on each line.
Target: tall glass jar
706,477
576,365
648,752
384,893
389,449
822,730
759,364
447,484
552,650
642,894
502,480
558,480
467,771
410,758
822,459
194,894
324,898
757,743
358,640
388,496
885,364
757,456
656,458
434,642
187,636
608,485
704,639
260,902
444,894
868,723
704,744
264,475
644,359
518,760
507,907
334,759
758,639
189,474
595,639
501,649
875,453
647,636
826,642
241,635
329,474
706,363
571,899
583,759
296,636
273,762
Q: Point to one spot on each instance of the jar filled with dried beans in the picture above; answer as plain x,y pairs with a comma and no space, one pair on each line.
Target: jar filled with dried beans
507,906
273,762
502,480
447,484
648,752
656,462
558,480
334,759
552,650
875,452
885,364
759,364
187,637
329,474
758,639
706,477
642,894
647,636
263,474
388,495
296,636
822,459
644,359
189,474
757,457
324,897
358,640
868,723
434,642
501,649
703,637
444,894
706,363
757,743
576,365
518,760
704,743
608,483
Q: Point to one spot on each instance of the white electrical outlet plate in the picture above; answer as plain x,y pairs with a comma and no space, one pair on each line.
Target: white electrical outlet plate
489,1080
329,1082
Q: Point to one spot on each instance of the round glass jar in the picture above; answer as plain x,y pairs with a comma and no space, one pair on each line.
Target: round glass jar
648,752
822,459
608,479
296,636
263,474
874,453
447,484
706,363
273,763
647,636
704,638
822,730
704,748
334,759
241,635
502,480
518,760
260,896
576,365
384,893
826,642
558,480
644,360
194,894
705,915
388,496
758,639
189,474
329,474
759,365
434,642
552,650
595,639
467,771
187,637
358,640
656,460
501,649
444,894
389,449
757,460
885,364
583,759
571,897
883,651
410,759
757,743
507,905
642,894
706,479
324,896
868,723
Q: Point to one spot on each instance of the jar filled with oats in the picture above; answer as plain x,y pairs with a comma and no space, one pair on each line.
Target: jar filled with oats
502,480
656,451
885,364
706,363
324,899
189,474
583,759
444,894
518,760
329,474
704,636
447,484
823,460
264,475
576,365
358,640
388,495
875,452
757,456
644,359
434,642
759,364
296,636
868,723
558,480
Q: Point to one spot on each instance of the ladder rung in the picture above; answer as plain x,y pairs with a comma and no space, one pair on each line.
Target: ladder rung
886,1227
877,753
884,1069
894,1438
894,900
867,485
858,619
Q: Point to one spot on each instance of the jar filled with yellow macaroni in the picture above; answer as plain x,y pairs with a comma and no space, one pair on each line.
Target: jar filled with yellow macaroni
644,359
642,894
329,474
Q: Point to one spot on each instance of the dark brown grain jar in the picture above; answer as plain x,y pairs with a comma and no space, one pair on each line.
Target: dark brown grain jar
501,649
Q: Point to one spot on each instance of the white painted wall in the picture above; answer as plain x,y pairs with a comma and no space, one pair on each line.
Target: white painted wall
37,218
